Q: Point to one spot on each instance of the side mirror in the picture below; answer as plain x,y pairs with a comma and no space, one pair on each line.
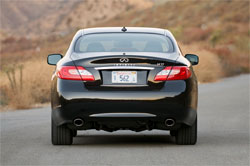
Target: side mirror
194,59
53,58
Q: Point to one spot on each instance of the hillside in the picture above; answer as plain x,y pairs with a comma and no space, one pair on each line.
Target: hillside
60,17
18,13
217,31
221,27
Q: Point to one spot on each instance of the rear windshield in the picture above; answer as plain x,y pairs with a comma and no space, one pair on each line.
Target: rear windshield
124,42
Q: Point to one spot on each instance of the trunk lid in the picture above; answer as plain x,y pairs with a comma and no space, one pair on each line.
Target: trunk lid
123,71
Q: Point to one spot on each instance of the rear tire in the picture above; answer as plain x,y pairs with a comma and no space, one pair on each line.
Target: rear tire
61,135
187,135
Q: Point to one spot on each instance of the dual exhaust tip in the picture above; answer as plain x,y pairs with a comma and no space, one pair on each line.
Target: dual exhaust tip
169,122
78,122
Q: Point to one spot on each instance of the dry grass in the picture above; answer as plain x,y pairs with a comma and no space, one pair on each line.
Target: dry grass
209,68
20,99
36,73
36,85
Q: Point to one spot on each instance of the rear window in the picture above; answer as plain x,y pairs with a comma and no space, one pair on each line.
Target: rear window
124,42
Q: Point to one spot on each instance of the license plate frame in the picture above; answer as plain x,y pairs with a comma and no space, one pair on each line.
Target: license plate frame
124,77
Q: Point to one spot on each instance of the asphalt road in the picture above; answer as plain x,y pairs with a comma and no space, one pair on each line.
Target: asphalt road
223,136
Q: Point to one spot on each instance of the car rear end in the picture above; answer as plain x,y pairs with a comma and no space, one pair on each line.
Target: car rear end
123,88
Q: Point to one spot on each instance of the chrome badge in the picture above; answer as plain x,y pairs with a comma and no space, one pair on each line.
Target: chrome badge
124,60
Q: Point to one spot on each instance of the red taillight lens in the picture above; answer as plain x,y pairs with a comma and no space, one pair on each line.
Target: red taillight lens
173,73
74,73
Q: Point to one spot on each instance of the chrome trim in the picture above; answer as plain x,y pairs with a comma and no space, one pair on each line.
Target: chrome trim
124,67
127,114
122,85
172,122
81,122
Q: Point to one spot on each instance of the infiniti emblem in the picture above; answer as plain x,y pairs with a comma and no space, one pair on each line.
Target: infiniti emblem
124,60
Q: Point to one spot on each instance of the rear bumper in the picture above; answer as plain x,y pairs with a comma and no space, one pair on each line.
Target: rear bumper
126,108
127,118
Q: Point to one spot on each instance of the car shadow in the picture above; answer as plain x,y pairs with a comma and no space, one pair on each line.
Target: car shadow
124,139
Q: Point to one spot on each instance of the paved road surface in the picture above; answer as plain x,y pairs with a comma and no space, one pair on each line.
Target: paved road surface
223,136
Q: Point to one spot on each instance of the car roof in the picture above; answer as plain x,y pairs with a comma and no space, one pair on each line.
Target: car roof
128,29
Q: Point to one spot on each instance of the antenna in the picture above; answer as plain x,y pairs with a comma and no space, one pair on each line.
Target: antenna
124,29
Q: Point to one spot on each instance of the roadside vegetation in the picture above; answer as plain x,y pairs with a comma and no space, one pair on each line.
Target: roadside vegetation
217,31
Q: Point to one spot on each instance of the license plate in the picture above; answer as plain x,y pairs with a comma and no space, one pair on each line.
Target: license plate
129,77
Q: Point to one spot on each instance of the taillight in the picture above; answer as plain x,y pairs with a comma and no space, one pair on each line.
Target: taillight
74,73
173,73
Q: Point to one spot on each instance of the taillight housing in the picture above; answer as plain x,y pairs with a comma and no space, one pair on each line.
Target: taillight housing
173,73
74,73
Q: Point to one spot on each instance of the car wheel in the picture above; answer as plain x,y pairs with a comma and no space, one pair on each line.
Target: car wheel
187,135
74,133
61,135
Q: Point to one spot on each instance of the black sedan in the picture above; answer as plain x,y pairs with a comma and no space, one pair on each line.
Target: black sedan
124,78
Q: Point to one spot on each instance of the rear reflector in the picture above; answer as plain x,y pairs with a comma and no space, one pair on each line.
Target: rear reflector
74,73
173,73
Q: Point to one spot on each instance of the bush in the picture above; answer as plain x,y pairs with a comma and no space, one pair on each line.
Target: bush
195,34
215,37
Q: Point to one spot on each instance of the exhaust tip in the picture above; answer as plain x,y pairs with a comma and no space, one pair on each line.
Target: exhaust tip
169,122
78,122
